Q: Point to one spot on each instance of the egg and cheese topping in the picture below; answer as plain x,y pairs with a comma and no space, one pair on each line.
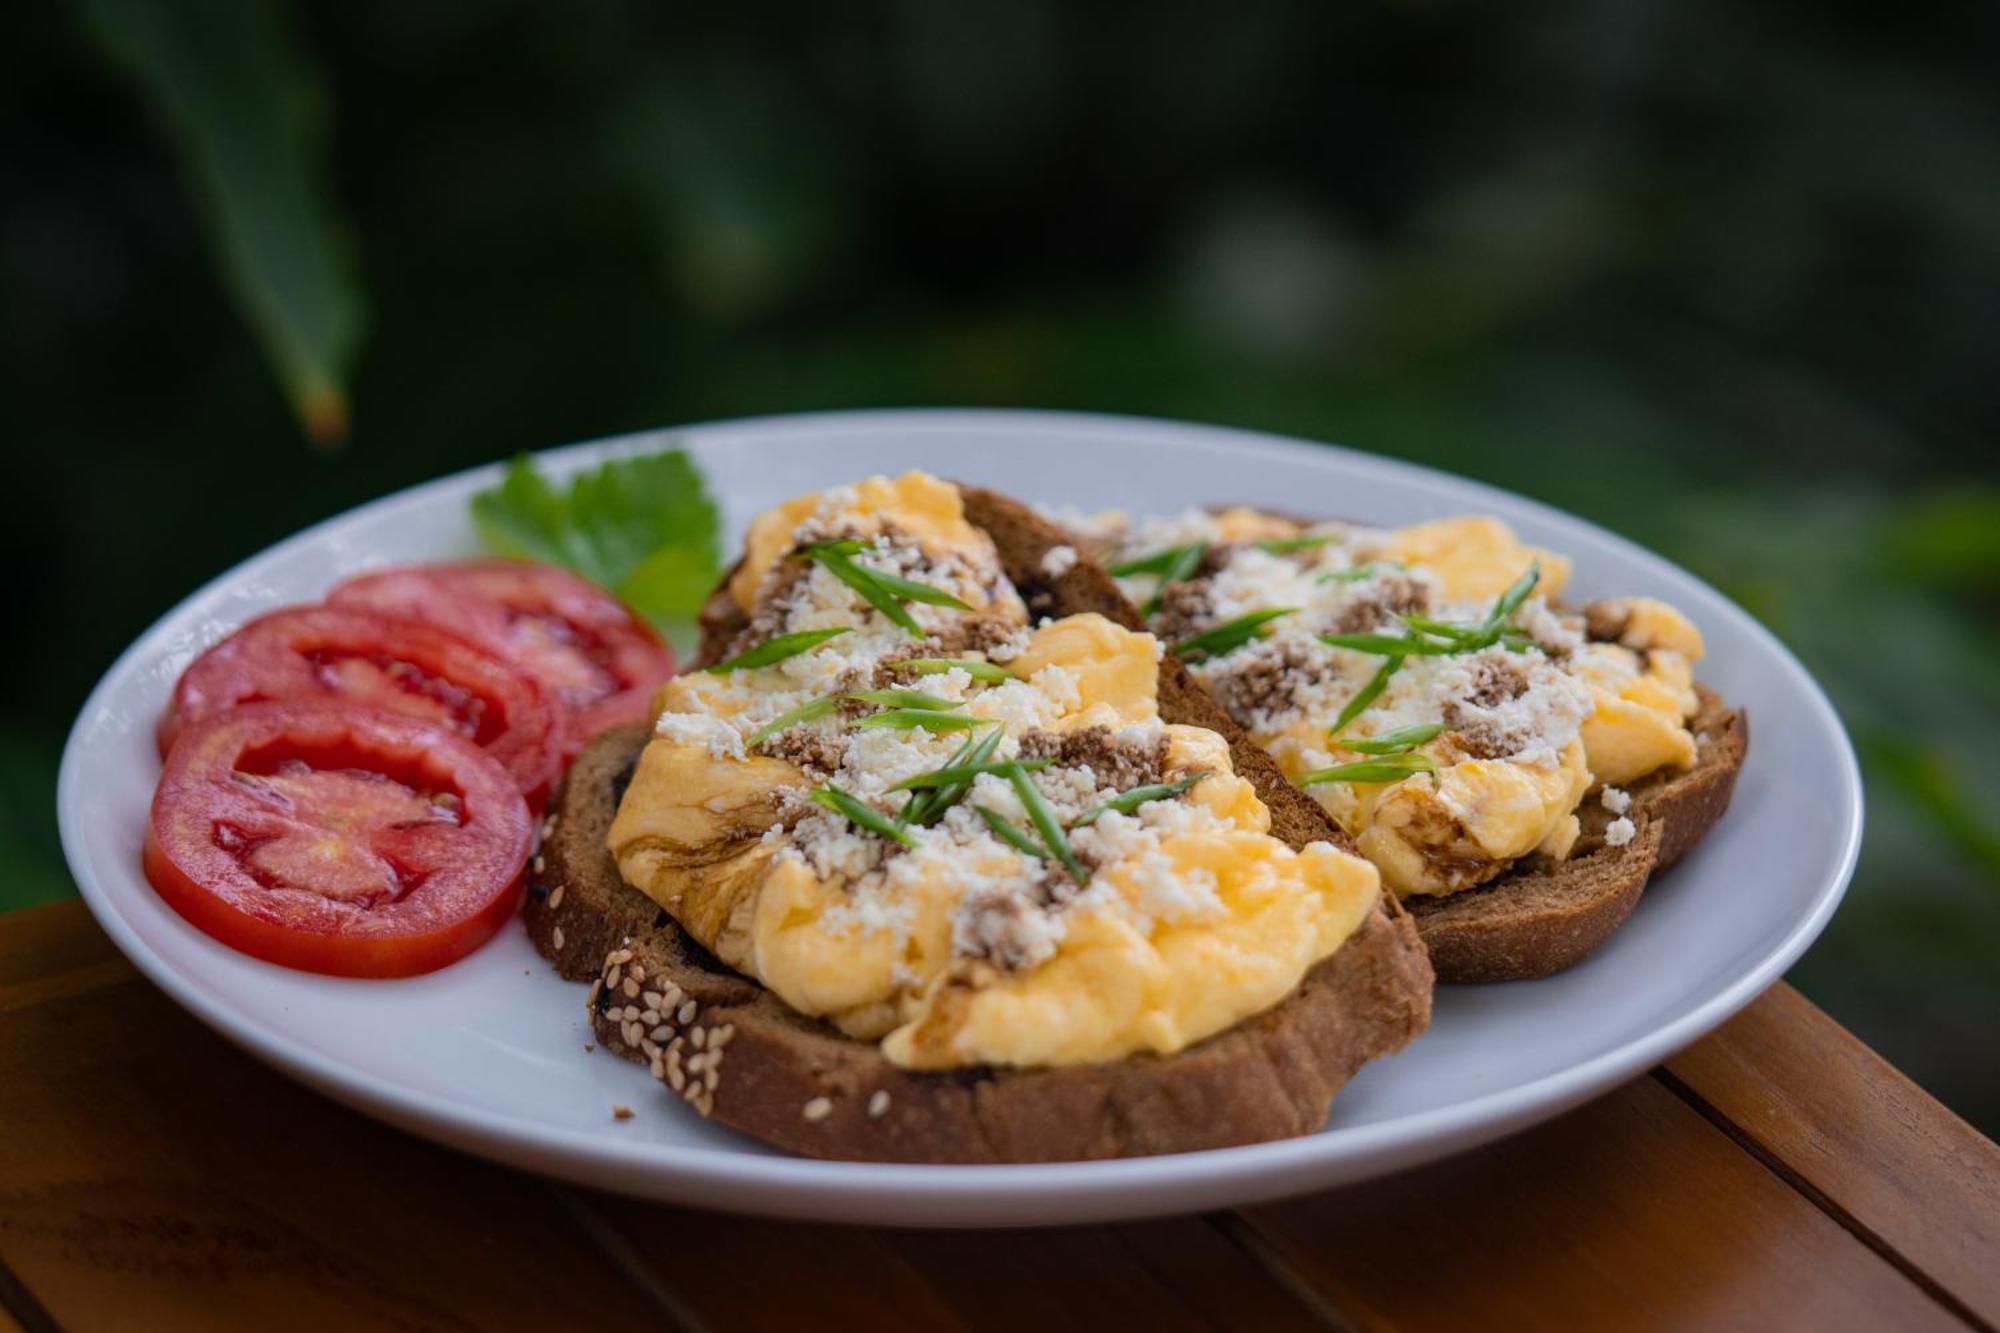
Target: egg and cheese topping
977,843
1416,681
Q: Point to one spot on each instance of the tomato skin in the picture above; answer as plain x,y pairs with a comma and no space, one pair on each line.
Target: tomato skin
464,862
367,660
588,649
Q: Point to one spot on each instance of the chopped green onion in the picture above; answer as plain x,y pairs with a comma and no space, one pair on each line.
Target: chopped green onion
1287,545
1043,817
1439,629
835,561
905,699
1393,768
1170,566
1231,634
1388,645
985,672
912,591
930,719
776,650
1367,694
956,773
1517,592
1188,561
805,712
1010,835
1354,574
838,801
1399,741
928,807
1159,562
885,592
1127,802
916,809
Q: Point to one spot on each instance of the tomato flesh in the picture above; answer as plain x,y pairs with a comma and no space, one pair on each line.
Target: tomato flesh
359,658
337,839
585,647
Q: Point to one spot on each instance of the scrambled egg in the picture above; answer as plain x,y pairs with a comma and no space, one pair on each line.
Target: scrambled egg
1643,685
1194,917
1437,836
1474,558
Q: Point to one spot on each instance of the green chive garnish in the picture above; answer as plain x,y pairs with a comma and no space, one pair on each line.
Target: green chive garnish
1044,819
912,591
1159,562
1010,835
930,719
1230,634
777,650
1392,768
838,801
1388,645
885,592
1439,629
985,672
929,806
1127,802
1399,741
1367,694
1287,545
1517,593
952,774
1170,566
906,699
805,712
834,559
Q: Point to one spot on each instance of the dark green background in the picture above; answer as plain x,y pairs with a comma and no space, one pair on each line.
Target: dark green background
1723,277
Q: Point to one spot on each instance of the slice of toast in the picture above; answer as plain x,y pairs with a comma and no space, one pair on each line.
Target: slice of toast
1540,917
731,1050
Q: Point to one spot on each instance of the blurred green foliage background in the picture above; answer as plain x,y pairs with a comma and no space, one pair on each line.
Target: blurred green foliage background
1723,277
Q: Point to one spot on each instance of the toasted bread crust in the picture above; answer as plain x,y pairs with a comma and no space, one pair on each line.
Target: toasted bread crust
797,1083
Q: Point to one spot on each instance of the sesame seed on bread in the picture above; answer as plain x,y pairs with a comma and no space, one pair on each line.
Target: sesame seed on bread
732,1051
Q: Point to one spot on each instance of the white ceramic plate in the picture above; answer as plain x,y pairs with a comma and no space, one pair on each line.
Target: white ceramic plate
488,1055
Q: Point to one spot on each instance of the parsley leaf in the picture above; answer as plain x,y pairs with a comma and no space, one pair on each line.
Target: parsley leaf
643,526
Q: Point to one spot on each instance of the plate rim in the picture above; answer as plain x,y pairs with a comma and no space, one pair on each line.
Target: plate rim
819,1188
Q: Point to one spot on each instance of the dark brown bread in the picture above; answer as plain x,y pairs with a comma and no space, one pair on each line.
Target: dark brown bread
1538,919
579,909
733,1051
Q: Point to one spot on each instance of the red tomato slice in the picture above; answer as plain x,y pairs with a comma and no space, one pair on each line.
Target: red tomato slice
585,646
337,839
356,657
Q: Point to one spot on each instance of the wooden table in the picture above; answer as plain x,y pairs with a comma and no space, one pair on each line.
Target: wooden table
1777,1175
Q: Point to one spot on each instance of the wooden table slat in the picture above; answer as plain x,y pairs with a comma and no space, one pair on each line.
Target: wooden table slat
1630,1212
1913,1179
148,1166
1779,1175
1177,1274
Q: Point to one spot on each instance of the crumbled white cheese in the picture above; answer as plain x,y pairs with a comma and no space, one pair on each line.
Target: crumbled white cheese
1058,561
1059,685
1620,831
1172,894
1615,799
723,741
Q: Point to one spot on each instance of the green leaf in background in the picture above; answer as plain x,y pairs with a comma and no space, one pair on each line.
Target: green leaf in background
642,526
244,110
